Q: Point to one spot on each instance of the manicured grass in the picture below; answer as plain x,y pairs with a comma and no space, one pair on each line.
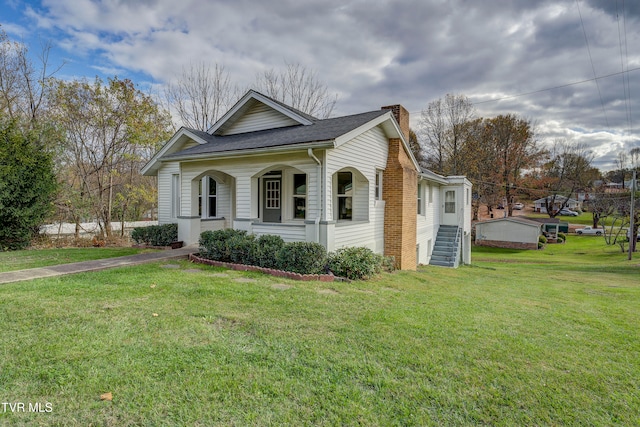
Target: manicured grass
19,260
519,338
585,218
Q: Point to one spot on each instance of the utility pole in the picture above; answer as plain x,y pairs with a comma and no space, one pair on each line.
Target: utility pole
632,231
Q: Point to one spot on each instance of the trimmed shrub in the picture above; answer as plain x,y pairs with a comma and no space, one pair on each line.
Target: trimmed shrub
356,263
215,245
242,249
542,240
562,236
155,235
302,257
267,246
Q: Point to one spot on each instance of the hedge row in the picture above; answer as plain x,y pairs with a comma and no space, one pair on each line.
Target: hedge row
155,235
269,251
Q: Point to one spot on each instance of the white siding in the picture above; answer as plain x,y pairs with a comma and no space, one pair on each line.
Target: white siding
259,117
428,224
164,192
366,153
507,231
289,233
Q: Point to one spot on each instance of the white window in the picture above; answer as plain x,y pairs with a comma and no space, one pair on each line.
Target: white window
299,195
378,193
175,195
450,202
420,198
345,195
208,204
272,196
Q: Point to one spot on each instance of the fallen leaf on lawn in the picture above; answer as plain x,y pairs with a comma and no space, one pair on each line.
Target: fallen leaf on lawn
153,286
155,314
106,396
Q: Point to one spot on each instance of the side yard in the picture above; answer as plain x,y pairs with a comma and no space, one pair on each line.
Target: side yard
21,260
519,338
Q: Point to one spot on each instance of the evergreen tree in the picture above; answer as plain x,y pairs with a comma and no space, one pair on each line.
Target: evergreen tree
27,185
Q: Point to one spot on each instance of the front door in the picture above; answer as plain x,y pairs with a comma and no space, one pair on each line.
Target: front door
449,216
271,207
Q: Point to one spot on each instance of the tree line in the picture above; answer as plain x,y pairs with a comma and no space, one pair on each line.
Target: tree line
71,150
90,138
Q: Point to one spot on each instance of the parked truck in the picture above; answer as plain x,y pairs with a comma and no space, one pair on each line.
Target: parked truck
589,230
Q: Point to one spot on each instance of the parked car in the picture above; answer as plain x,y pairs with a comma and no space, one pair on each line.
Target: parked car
589,230
568,212
518,206
637,237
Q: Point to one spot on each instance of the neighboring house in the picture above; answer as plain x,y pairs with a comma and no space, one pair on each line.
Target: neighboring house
540,204
268,168
511,232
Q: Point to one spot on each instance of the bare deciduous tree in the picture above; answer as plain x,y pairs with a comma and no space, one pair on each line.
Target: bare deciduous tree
200,95
443,127
23,87
298,87
568,170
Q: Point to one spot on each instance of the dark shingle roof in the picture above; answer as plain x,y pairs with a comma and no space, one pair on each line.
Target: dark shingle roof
319,131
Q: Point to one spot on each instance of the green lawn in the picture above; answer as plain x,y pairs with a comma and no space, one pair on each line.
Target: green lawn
585,218
19,260
519,338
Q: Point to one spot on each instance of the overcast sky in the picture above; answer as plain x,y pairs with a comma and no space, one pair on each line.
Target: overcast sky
535,58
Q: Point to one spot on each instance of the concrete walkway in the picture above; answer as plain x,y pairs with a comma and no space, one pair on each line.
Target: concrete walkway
99,264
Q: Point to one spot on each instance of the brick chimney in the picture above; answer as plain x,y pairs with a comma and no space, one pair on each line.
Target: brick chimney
402,117
400,183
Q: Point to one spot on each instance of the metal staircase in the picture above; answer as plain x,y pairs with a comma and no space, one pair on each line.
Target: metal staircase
446,251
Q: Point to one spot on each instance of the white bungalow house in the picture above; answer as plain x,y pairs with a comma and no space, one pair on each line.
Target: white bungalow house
558,203
268,168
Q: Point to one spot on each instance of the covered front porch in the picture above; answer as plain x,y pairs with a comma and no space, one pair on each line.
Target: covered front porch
266,195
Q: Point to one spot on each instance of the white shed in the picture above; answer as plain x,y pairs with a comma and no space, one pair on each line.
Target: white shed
510,232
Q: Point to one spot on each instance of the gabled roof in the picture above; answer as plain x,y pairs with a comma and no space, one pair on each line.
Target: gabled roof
322,131
515,219
251,98
296,131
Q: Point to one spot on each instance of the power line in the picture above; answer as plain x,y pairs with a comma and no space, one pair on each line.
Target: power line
551,88
593,68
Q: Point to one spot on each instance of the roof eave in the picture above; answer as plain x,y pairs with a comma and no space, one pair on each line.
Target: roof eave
252,151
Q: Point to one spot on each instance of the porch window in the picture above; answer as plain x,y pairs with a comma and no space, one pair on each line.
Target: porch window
207,198
420,199
299,195
450,202
345,195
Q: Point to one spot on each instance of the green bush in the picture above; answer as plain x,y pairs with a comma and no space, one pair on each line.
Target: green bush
302,257
542,240
267,246
155,235
242,249
356,263
215,245
562,236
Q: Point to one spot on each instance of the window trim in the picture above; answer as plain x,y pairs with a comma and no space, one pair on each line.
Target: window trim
344,196
204,197
295,197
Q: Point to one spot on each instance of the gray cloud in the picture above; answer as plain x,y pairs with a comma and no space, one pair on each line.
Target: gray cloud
373,53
